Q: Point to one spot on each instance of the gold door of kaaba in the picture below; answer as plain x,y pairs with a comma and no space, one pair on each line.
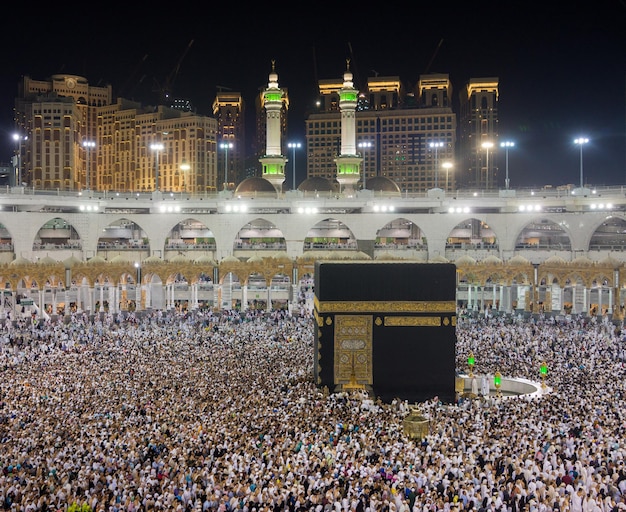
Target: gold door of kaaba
353,351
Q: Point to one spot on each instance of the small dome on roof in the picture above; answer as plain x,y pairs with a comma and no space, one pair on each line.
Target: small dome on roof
47,260
206,259
180,258
465,260
96,260
583,261
519,260
382,184
71,261
318,184
120,258
555,260
492,260
254,185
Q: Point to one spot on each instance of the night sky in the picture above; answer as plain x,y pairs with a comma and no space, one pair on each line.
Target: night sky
561,66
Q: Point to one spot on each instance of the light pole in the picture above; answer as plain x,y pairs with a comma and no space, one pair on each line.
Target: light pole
138,287
365,145
447,166
88,144
226,146
18,163
157,147
487,146
184,167
507,144
436,146
293,146
581,141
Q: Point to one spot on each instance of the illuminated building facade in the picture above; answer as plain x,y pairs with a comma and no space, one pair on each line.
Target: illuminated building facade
479,133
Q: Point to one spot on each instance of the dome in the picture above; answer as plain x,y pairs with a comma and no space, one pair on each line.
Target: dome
492,260
120,258
153,259
583,261
519,260
610,261
318,184
281,256
96,260
71,261
465,260
20,260
555,260
382,184
254,185
206,259
47,260
230,259
180,258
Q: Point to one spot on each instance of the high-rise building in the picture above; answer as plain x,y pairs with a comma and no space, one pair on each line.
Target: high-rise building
80,139
58,114
394,131
229,111
142,150
479,133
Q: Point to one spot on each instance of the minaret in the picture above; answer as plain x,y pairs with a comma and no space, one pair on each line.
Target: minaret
273,161
348,162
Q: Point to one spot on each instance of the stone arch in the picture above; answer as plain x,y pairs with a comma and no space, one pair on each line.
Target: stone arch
57,233
259,235
330,234
190,234
6,244
472,232
544,234
123,236
400,234
610,235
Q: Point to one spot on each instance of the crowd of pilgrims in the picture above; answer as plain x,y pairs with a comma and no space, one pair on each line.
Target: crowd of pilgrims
220,412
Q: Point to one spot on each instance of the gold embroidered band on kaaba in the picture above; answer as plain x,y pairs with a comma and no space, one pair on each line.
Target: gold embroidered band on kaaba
379,306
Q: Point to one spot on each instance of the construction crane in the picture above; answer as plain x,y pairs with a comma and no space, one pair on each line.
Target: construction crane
432,59
126,89
165,90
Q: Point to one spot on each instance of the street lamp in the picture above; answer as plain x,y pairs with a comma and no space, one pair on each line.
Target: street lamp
18,162
487,146
365,145
156,147
436,146
138,287
507,144
447,166
581,141
184,167
226,146
88,144
293,146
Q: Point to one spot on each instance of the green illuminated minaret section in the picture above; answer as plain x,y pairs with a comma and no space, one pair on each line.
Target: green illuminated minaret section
348,162
273,161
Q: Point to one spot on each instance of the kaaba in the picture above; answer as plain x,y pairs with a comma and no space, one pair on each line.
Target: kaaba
388,328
